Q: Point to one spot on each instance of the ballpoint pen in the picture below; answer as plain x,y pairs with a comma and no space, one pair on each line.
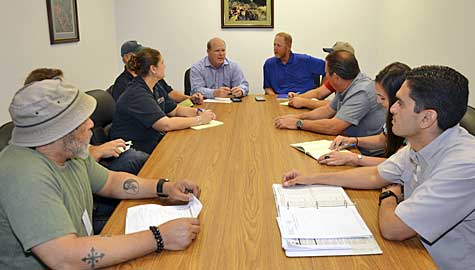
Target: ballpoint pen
346,145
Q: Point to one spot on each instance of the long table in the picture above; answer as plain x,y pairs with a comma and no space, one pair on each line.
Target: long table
235,166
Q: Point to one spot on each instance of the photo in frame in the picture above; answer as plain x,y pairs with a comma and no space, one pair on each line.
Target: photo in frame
62,21
247,13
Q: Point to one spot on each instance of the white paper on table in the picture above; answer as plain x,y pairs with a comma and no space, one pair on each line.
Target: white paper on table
218,100
212,123
325,222
313,196
286,103
139,218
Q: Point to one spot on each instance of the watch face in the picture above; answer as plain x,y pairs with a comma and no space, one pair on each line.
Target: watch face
299,124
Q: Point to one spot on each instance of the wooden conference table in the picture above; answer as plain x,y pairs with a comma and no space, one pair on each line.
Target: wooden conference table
235,166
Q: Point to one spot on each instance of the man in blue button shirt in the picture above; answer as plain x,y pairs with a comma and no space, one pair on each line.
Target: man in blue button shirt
217,76
290,72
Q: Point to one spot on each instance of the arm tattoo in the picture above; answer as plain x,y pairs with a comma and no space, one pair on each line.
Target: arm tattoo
93,258
131,186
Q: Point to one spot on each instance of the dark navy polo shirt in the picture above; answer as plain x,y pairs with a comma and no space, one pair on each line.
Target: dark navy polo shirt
121,83
137,110
298,75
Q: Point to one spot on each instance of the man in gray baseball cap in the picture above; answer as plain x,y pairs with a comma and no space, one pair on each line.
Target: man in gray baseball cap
340,46
48,178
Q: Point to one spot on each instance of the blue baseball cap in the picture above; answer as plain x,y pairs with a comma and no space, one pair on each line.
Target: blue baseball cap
130,46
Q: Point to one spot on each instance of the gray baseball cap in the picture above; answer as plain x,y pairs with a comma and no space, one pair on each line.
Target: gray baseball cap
45,111
340,46
130,46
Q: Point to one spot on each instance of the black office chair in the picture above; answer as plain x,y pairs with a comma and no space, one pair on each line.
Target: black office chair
5,134
109,90
187,82
102,116
468,120
317,81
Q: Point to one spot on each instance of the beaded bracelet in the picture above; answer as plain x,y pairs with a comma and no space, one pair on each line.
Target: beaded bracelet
158,238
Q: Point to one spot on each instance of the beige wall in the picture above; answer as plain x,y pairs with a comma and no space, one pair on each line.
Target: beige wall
382,31
89,63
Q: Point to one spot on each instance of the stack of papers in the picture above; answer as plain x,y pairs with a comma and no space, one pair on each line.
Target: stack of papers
315,149
321,221
140,218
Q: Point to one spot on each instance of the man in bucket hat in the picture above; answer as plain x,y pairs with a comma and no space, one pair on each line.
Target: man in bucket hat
48,179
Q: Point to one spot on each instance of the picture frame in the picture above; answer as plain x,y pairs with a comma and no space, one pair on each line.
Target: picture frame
63,21
247,13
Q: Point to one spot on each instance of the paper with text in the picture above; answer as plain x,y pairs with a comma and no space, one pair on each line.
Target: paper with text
139,218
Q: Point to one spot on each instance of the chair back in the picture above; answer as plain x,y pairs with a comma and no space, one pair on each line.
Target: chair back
102,116
187,82
468,120
317,81
5,134
109,90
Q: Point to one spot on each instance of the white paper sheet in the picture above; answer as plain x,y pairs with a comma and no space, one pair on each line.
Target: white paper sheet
139,218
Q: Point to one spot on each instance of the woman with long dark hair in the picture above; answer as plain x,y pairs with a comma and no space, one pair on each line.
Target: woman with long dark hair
387,83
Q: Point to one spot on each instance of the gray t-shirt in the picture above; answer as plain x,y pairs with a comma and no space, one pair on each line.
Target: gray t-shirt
439,192
358,106
41,201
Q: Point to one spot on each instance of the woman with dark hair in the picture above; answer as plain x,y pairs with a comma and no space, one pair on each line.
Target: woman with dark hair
387,83
144,112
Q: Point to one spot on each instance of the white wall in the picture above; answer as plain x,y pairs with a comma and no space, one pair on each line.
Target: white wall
429,32
89,63
415,32
180,30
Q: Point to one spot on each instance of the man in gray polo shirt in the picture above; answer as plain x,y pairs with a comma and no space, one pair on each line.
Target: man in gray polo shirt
436,169
354,111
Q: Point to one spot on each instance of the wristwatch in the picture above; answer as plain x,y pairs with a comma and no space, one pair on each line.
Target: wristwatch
387,194
299,124
160,184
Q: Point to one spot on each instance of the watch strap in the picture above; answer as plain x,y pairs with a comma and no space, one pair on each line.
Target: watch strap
299,124
387,194
160,184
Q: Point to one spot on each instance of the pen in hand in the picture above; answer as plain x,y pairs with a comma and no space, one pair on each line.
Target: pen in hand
342,145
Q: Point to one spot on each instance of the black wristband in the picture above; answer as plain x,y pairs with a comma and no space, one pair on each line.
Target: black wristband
158,238
160,184
387,194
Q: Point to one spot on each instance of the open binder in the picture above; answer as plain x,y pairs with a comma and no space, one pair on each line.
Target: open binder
321,221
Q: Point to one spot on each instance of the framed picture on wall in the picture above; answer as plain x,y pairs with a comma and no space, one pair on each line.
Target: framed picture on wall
247,13
62,21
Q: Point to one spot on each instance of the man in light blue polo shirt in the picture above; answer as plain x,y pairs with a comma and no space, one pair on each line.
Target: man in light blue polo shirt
217,76
290,72
436,169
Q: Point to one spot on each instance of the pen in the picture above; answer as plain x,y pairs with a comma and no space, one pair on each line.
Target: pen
199,110
346,145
